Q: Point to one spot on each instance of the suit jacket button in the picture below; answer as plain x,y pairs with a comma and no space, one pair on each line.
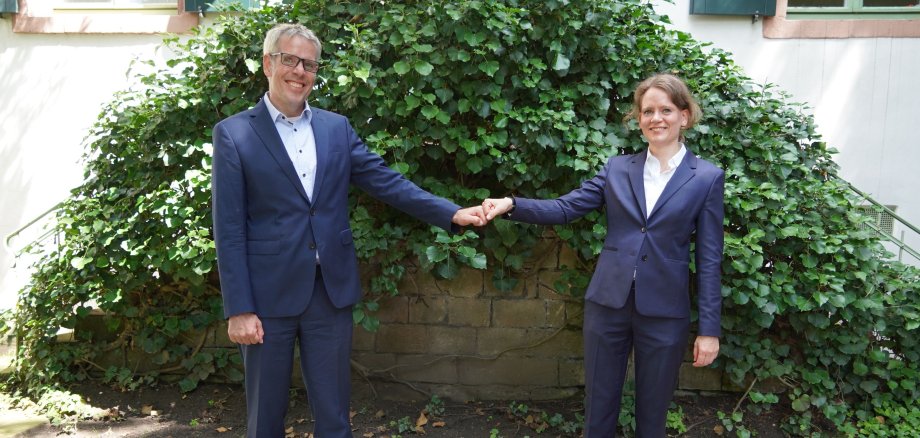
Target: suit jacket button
644,258
312,212
313,245
643,229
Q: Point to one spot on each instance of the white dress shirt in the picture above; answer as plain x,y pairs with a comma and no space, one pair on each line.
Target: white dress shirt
297,135
655,180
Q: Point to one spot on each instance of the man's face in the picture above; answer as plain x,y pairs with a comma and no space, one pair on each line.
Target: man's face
288,87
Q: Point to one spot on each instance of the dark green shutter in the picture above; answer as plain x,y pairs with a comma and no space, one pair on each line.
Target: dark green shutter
213,5
733,7
9,6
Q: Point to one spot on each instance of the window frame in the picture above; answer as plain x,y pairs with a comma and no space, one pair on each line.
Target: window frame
855,9
839,25
42,16
64,5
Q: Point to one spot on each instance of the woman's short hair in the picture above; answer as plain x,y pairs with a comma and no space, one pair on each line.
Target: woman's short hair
676,90
273,36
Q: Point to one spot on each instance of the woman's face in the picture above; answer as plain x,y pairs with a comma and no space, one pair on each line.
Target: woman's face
660,120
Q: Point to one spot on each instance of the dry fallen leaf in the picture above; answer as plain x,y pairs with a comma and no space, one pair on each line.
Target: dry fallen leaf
352,414
422,420
368,435
146,409
718,429
300,420
529,419
380,414
420,430
438,424
222,429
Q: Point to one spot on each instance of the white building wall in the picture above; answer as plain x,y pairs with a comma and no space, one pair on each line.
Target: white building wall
52,88
863,92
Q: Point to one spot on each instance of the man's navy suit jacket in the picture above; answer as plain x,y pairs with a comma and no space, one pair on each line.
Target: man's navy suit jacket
655,250
268,232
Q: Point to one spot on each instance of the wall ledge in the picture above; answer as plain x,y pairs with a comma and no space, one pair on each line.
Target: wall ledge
38,17
781,27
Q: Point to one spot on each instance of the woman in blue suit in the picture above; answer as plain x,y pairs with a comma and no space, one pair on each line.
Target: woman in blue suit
638,298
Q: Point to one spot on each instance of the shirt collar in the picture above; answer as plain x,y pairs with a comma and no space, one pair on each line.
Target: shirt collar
276,115
651,160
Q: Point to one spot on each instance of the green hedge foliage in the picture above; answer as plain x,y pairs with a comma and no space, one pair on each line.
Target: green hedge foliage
472,99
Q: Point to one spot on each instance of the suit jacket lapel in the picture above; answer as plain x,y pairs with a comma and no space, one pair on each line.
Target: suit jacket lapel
684,172
264,127
321,137
636,180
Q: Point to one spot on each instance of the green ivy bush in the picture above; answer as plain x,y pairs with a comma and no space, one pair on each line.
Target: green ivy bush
472,99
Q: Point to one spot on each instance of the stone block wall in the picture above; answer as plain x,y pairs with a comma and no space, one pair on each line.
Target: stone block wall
465,340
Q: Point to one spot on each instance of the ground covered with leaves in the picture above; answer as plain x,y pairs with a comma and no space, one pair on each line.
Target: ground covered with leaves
378,410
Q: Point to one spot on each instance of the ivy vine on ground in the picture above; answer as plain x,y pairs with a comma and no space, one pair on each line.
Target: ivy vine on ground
471,99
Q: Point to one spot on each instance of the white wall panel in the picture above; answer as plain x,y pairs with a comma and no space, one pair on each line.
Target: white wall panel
863,92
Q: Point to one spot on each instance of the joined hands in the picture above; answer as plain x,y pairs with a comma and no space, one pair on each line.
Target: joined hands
481,215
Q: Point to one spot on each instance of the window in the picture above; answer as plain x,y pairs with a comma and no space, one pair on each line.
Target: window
867,7
104,16
852,4
821,19
114,5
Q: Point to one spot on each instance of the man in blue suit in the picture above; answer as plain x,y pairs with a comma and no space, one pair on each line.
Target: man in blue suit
638,298
285,251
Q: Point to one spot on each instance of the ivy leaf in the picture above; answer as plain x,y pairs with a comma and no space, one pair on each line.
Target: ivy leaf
801,404
79,262
423,67
489,67
868,386
357,314
430,111
371,324
253,65
474,164
479,261
561,62
363,73
467,251
412,102
401,67
401,167
436,254
448,270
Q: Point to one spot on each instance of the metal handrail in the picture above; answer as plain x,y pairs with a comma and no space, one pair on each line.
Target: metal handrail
11,236
898,242
885,209
888,236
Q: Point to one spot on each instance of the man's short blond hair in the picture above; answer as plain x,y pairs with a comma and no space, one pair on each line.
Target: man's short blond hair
273,38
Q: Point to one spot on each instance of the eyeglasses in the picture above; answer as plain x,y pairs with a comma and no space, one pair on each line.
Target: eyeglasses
292,61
